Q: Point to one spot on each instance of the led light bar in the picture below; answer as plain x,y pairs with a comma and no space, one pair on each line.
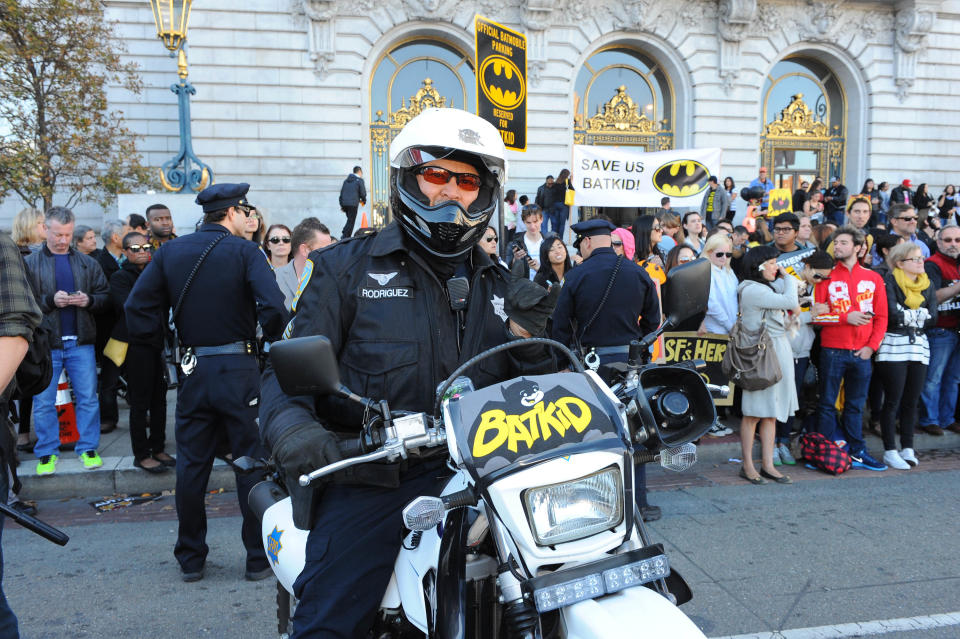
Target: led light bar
605,577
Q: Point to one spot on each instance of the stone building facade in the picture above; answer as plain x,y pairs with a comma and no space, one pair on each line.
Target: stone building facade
291,94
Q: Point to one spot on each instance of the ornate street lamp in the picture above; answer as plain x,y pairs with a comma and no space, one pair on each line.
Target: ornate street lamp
172,18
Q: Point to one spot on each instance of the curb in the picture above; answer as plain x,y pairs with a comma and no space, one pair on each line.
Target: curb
117,476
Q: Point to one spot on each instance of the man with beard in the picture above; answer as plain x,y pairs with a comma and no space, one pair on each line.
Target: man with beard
160,222
852,328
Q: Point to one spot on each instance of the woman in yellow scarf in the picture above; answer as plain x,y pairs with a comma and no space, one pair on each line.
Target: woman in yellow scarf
904,354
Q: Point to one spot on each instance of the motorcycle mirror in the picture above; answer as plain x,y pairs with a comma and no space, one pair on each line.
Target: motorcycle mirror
675,403
687,291
306,366
423,513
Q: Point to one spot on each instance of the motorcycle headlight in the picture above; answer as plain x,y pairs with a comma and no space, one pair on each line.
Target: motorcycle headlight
575,509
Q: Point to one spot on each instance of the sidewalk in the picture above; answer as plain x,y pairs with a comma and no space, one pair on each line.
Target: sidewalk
119,476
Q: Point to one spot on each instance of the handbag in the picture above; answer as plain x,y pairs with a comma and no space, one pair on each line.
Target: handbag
568,195
824,454
750,361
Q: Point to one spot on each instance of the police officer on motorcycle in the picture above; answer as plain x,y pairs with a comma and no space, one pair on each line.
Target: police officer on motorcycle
384,300
599,308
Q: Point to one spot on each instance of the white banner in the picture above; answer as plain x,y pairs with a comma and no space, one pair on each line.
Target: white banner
612,176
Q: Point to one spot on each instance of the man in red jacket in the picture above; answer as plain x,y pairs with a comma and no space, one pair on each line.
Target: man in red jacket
852,310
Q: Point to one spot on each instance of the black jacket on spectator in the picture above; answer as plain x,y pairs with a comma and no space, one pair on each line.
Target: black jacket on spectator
896,298
87,276
121,283
896,195
353,191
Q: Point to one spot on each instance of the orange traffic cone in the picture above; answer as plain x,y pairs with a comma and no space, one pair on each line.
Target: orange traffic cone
66,414
363,220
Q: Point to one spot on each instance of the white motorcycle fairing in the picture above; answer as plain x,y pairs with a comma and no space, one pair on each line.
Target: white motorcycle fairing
637,613
285,544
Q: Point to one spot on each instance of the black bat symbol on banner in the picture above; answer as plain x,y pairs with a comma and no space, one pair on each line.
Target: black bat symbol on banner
681,178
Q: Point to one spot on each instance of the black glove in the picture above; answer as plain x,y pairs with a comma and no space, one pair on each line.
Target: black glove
303,448
529,304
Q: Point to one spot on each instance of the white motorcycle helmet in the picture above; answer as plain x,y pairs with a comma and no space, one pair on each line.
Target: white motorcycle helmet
445,229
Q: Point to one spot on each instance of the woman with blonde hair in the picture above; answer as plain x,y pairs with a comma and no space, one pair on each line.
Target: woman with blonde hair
29,230
904,353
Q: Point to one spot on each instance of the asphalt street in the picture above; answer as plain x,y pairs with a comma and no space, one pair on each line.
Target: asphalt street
801,559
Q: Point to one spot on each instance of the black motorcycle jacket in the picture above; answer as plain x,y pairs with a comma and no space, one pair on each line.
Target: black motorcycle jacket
390,322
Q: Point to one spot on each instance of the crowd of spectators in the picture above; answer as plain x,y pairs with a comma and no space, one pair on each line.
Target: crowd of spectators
864,320
859,294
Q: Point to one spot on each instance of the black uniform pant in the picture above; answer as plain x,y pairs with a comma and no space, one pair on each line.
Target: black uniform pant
220,399
351,551
351,213
146,393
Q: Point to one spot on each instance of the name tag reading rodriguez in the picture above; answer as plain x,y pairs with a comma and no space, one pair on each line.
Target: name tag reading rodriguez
385,293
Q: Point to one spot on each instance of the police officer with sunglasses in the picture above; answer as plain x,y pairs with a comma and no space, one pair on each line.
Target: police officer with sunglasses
219,287
384,302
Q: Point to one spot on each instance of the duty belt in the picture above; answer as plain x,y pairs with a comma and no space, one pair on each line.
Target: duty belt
592,358
245,347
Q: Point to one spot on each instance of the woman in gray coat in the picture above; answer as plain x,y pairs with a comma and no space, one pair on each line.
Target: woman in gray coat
766,294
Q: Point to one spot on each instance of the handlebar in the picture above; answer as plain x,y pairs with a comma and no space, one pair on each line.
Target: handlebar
400,437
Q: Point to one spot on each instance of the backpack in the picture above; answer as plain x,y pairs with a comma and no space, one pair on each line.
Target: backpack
824,454
36,370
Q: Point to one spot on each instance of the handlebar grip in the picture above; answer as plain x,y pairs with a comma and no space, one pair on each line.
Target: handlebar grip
351,447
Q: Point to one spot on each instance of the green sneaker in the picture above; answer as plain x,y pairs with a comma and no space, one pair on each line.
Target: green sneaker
91,460
47,465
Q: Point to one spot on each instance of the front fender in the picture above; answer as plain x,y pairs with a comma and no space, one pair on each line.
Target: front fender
635,612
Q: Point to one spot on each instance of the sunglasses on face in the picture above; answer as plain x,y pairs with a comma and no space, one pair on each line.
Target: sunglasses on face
277,240
137,248
245,210
722,254
907,219
436,175
684,259
657,228
620,243
490,238
782,229
817,276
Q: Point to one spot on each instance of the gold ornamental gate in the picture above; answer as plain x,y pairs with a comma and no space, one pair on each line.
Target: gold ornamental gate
799,146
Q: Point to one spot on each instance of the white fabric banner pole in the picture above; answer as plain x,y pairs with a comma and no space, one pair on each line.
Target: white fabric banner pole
612,176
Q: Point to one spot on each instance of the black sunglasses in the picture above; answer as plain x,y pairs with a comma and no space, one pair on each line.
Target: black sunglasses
277,240
722,254
490,238
817,276
137,248
245,210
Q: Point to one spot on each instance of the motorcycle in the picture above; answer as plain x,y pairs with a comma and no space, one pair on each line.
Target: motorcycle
537,533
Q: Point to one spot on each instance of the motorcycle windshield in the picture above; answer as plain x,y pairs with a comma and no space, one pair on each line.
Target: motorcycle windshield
540,416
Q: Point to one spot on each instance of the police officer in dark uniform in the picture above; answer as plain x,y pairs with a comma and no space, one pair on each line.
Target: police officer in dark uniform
605,303
219,286
383,302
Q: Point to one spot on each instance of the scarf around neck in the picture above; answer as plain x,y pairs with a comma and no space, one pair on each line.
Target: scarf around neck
912,289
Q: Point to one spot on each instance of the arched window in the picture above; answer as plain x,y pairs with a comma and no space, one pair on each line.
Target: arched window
804,123
412,76
623,97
